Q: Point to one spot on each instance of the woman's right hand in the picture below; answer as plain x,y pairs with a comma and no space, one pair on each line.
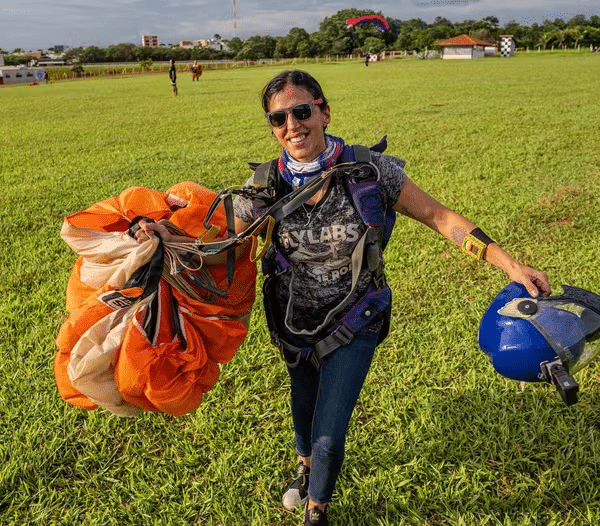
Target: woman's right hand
147,230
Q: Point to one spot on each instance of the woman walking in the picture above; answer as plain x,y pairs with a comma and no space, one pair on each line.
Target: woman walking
326,299
317,242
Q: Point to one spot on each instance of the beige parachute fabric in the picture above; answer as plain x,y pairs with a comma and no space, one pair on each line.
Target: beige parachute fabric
109,258
108,261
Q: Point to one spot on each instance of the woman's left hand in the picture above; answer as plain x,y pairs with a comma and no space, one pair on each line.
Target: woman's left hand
535,281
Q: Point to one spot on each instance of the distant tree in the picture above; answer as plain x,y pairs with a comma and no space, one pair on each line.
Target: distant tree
124,52
577,21
593,37
546,38
576,34
201,53
281,48
256,48
467,27
305,49
15,60
92,55
235,45
442,29
512,28
486,29
409,34
77,70
560,37
548,26
146,64
491,23
424,39
560,23
295,44
373,45
337,39
72,55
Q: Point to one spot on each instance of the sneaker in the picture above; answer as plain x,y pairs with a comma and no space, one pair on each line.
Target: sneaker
296,494
315,517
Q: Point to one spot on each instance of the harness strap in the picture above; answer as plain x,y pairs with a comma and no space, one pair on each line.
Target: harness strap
263,172
362,154
206,246
357,259
376,301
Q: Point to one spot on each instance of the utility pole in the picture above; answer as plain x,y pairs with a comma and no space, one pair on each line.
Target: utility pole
234,18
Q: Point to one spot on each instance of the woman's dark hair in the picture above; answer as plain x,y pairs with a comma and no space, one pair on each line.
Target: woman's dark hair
302,79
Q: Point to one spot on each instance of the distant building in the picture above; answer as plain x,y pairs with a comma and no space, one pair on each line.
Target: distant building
212,43
20,75
463,47
149,41
186,44
47,61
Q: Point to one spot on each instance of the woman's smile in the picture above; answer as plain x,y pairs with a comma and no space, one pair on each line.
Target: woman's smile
303,139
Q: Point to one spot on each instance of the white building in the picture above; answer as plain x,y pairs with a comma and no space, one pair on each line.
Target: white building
20,75
463,47
149,41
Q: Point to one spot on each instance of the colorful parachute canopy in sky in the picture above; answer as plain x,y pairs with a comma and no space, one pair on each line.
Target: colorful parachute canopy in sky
378,21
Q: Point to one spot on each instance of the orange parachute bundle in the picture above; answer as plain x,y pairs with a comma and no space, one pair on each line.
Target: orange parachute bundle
146,332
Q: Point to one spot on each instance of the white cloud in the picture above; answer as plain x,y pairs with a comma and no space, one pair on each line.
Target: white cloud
33,24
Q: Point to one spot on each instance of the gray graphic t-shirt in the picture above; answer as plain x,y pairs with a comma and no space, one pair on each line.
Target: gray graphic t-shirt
318,242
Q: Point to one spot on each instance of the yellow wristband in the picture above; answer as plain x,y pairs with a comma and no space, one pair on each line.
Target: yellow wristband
475,243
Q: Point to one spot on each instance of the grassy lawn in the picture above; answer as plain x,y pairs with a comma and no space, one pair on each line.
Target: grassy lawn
438,438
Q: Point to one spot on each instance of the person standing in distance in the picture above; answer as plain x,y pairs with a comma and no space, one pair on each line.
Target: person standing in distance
173,76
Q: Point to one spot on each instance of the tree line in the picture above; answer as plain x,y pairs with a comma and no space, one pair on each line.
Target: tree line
334,38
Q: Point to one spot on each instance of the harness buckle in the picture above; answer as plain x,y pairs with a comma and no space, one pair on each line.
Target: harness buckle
313,357
343,335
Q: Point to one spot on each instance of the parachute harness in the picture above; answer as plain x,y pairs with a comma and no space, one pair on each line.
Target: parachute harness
361,181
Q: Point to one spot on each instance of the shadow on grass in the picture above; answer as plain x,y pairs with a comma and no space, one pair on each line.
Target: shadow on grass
482,456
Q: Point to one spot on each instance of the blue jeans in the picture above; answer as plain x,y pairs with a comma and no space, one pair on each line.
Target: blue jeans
322,402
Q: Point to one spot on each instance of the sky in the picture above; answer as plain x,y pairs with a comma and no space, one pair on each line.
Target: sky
37,24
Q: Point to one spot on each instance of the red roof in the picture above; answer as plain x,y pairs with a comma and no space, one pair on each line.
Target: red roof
463,40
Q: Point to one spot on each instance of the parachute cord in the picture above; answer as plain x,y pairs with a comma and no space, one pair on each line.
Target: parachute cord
174,252
178,257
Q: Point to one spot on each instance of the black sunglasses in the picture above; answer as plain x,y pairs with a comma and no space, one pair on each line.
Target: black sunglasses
301,112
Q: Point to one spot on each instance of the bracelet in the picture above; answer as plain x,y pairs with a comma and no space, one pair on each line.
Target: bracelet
475,243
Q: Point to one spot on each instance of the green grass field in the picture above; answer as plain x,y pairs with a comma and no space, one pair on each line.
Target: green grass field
438,438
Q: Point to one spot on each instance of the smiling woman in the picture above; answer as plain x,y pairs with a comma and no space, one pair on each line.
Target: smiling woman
437,436
326,299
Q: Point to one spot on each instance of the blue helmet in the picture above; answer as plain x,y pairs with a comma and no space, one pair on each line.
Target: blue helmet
520,333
